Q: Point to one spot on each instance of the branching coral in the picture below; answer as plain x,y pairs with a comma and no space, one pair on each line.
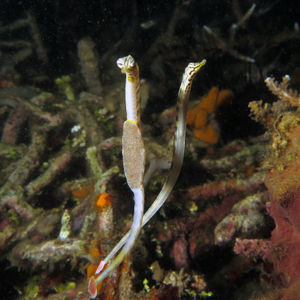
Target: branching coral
89,65
44,219
277,117
15,51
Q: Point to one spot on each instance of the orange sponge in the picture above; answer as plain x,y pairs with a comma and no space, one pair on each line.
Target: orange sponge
209,103
199,116
191,116
103,201
224,96
207,134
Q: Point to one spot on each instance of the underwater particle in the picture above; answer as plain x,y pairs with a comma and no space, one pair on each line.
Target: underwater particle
148,24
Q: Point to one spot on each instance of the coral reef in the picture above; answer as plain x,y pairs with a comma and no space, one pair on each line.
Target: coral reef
230,229
282,182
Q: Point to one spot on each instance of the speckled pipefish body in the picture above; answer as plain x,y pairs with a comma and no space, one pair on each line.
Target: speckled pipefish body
179,142
133,161
178,151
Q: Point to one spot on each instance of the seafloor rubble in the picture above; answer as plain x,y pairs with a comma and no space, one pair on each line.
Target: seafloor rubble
229,230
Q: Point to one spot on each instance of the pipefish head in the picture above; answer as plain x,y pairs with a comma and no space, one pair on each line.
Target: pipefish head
192,69
188,76
126,64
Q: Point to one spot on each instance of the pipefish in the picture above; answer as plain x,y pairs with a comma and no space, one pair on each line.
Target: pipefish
134,159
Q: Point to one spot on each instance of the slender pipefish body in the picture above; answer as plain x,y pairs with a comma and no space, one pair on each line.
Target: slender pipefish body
134,159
